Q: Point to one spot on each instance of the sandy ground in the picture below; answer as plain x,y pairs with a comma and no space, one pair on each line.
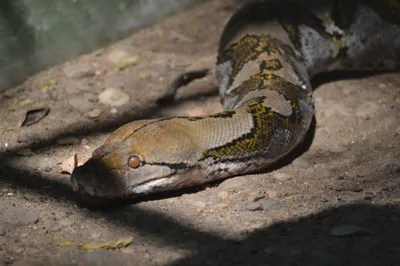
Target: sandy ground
334,201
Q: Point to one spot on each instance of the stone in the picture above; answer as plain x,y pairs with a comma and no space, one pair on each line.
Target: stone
240,206
114,97
335,109
66,222
367,110
235,183
28,137
253,206
78,71
117,55
254,196
113,111
25,152
26,217
94,113
301,162
74,87
338,148
90,97
318,99
3,230
269,204
223,195
49,223
281,176
68,141
197,203
80,103
348,230
271,193
32,196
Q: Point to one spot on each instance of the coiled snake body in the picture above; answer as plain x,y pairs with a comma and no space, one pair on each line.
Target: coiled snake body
268,52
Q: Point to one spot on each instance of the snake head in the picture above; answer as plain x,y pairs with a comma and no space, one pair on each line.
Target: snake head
139,158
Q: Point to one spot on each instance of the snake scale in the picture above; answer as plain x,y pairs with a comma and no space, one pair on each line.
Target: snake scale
269,50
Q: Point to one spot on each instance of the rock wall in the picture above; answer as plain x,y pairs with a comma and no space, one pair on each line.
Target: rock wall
38,34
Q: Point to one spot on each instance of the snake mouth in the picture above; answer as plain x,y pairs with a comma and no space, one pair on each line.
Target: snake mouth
151,185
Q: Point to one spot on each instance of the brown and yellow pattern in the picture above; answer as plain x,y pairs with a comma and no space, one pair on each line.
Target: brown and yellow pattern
269,51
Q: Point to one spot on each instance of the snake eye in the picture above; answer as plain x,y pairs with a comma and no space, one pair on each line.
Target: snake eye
134,161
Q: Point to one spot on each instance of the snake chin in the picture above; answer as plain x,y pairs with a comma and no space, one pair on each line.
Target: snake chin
172,182
152,186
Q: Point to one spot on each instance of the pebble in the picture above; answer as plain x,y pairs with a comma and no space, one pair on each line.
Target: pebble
118,80
114,97
113,111
68,141
197,203
78,71
3,230
49,223
74,87
301,162
235,183
28,137
45,96
94,113
95,235
281,176
80,103
240,206
25,217
223,195
382,85
91,97
254,196
348,230
56,228
254,206
338,148
116,56
25,152
335,110
32,196
221,206
46,165
269,204
47,168
367,110
66,222
60,214
318,99
271,193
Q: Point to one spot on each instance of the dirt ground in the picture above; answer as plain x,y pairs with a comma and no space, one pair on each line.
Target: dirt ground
334,201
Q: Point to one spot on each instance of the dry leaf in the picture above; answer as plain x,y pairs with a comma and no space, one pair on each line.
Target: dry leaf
91,246
68,165
125,63
349,230
33,116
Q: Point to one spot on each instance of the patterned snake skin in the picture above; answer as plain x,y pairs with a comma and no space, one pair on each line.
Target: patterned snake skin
268,52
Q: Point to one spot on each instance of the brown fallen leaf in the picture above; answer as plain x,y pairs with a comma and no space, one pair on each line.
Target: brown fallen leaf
68,165
348,230
121,243
33,116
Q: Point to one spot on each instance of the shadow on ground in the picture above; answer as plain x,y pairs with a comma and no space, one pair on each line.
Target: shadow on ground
303,241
